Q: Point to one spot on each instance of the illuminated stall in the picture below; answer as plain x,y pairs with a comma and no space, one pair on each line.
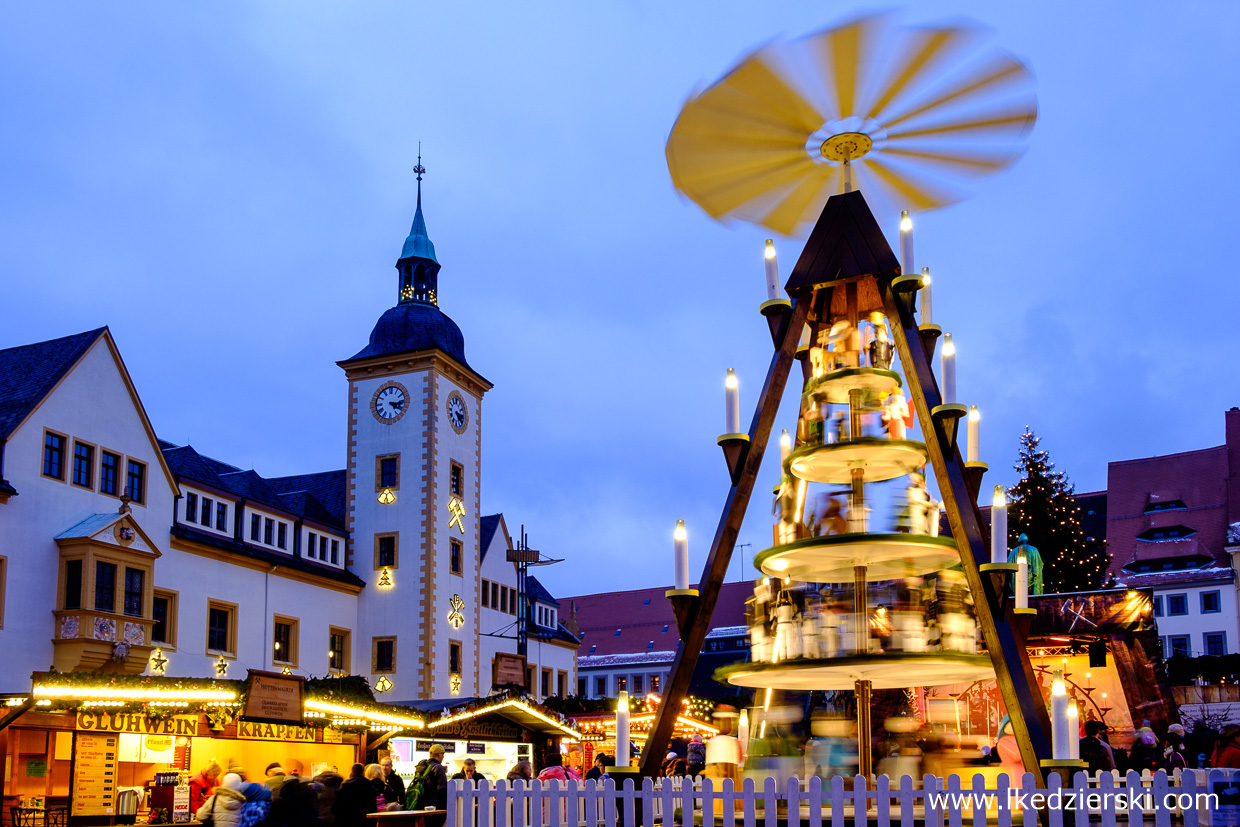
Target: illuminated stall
78,740
496,732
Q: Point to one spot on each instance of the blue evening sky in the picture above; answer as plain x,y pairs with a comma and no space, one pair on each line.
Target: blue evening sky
228,185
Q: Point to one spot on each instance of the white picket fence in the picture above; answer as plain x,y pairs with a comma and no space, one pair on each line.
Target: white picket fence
1202,798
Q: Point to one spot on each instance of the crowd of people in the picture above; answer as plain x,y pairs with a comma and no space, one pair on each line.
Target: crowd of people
1178,749
805,620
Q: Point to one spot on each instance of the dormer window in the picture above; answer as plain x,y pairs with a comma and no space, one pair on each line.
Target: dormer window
1168,533
1165,505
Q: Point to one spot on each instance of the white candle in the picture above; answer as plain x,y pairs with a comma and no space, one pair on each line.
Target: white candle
948,369
1074,733
1022,582
742,733
906,243
1059,717
622,730
927,314
732,396
772,271
681,550
785,447
998,526
974,426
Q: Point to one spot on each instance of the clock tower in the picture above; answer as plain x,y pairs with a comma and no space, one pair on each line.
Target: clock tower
414,462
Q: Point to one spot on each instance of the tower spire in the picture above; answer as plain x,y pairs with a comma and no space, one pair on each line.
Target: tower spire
417,266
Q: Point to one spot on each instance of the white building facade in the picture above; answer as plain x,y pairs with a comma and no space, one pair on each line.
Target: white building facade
124,553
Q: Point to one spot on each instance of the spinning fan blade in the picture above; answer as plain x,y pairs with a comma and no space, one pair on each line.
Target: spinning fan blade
766,142
769,97
1017,118
919,194
844,51
934,47
805,200
1007,70
980,164
728,192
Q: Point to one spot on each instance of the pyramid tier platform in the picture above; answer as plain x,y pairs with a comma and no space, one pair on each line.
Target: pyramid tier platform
834,387
879,459
832,559
891,671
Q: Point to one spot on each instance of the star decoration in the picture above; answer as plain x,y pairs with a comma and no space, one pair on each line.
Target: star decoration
159,663
383,684
454,683
221,667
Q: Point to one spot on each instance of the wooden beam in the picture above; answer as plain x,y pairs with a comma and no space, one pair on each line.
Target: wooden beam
1013,671
698,621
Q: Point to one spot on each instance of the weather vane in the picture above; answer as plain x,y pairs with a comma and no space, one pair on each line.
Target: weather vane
419,169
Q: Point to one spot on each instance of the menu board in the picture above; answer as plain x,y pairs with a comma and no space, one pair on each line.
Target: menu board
95,759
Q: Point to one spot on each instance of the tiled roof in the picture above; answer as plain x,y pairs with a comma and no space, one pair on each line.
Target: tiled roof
254,488
88,527
298,495
28,372
640,616
489,524
304,505
275,558
326,486
1162,579
536,591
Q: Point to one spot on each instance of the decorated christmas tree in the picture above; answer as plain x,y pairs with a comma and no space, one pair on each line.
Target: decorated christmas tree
1043,508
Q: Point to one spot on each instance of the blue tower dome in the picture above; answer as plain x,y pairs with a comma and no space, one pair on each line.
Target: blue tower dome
411,326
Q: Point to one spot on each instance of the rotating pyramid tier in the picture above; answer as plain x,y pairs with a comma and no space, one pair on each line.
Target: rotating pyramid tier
877,458
884,671
835,387
834,558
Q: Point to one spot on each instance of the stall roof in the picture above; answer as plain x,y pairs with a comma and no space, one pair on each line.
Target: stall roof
524,711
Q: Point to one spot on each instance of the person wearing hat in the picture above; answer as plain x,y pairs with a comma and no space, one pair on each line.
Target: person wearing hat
438,784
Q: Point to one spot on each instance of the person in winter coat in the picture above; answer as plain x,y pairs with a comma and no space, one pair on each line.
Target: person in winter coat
469,772
1227,749
295,806
1095,751
696,760
438,786
201,785
223,806
556,770
354,800
331,781
600,767
393,784
521,771
257,804
374,774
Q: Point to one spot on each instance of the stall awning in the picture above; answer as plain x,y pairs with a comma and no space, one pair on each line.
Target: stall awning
526,713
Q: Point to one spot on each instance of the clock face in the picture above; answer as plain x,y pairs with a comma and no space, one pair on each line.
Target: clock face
458,414
390,403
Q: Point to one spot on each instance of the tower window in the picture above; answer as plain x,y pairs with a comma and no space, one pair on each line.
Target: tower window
54,456
503,600
456,553
383,658
387,472
456,483
385,551
485,592
454,657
